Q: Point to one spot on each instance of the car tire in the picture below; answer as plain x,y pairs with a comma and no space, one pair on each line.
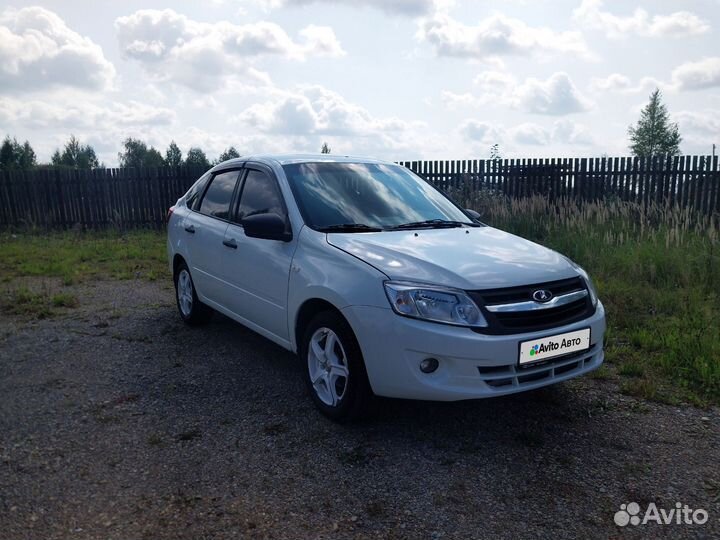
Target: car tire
334,368
191,309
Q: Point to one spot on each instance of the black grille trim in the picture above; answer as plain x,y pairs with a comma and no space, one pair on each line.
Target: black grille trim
518,322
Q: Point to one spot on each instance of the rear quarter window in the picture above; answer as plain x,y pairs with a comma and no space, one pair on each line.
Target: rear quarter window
194,193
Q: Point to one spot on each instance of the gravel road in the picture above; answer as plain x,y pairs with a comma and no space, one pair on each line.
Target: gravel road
119,422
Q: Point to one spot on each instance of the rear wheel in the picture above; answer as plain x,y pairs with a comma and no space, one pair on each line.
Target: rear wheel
334,368
191,309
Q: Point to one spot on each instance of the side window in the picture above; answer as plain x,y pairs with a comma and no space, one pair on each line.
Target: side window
260,195
195,191
218,196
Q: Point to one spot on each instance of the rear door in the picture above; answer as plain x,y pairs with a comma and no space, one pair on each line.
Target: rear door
258,269
205,229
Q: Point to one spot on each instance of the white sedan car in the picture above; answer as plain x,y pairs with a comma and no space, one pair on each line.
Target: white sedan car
379,282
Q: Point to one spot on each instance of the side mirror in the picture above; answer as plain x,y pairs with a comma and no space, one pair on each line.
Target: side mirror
473,214
266,226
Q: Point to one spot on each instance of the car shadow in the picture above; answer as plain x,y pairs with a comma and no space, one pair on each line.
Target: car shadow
260,375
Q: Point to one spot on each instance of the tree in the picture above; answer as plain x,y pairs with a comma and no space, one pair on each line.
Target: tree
229,153
28,159
654,134
495,152
137,154
75,155
173,155
8,158
14,155
197,158
153,158
134,153
325,148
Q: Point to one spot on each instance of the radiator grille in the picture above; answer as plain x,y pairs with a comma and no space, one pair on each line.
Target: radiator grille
516,322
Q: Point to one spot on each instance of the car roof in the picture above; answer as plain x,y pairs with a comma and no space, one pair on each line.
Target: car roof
285,159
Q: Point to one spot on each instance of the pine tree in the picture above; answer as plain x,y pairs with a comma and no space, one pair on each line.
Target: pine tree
654,134
28,159
8,158
325,148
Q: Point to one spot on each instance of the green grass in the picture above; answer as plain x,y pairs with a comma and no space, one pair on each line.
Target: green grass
23,301
657,270
76,257
38,304
658,275
64,299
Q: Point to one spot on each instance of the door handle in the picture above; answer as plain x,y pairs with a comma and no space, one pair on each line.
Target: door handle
230,243
190,229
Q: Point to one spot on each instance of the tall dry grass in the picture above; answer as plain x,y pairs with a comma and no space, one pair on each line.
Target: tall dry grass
658,272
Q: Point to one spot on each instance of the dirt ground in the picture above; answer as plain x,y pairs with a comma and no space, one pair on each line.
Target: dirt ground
119,422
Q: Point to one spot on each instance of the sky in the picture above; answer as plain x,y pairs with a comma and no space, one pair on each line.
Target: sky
395,79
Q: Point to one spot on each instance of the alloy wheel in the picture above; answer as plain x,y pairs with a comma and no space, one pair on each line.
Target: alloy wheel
328,366
185,293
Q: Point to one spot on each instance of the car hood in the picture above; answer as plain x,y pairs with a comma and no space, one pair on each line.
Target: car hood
465,258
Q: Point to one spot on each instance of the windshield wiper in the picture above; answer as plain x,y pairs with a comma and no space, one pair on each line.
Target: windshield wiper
349,228
434,224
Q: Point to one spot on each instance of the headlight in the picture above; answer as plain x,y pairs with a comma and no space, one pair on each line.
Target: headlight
433,303
588,281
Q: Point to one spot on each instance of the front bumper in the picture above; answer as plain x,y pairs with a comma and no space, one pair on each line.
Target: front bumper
472,365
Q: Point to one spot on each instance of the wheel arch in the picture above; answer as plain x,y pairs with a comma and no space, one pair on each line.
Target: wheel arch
305,313
177,261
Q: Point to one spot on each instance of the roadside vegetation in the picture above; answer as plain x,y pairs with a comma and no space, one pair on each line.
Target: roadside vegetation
657,270
658,275
75,256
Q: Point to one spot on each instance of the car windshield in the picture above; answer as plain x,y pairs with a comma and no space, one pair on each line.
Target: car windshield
361,197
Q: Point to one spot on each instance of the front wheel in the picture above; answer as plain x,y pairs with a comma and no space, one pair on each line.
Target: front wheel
335,370
191,309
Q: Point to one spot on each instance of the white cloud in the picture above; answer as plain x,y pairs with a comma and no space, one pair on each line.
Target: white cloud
706,122
556,96
698,75
455,101
496,36
314,113
699,129
562,132
39,51
494,82
568,132
479,131
618,83
205,56
677,24
615,82
79,114
316,110
410,8
529,133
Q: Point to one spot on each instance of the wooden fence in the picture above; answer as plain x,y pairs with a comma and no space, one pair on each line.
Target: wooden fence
98,198
126,198
687,181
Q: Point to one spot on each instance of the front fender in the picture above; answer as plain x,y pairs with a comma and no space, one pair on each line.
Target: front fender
324,272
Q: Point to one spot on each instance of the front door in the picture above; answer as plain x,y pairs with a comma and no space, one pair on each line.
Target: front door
259,269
